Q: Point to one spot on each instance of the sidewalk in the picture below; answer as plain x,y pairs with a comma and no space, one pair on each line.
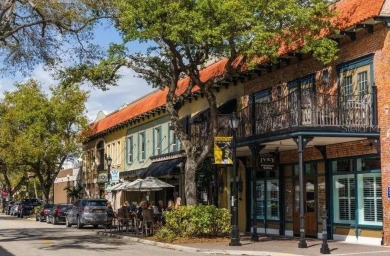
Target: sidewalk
268,245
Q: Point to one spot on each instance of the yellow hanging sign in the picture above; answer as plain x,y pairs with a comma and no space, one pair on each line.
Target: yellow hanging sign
223,150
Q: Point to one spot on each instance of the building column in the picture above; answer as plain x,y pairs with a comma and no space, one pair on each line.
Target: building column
301,142
255,149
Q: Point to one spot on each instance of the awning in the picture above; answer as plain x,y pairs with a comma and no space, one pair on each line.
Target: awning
161,168
132,173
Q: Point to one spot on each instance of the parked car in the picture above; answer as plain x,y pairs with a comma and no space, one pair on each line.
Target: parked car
15,209
42,212
25,208
58,213
34,202
87,212
8,207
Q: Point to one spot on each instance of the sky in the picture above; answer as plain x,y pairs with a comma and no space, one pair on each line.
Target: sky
128,89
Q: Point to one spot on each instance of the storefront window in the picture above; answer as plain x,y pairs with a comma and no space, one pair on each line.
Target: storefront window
357,197
260,200
273,199
344,198
368,164
342,165
267,195
370,199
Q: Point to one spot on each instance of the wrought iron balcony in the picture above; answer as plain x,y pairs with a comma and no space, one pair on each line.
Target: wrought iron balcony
308,110
200,130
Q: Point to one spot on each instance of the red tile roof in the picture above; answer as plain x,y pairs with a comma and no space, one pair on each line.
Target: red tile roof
349,13
153,100
352,12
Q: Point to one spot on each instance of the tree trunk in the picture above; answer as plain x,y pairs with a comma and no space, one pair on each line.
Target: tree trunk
190,185
46,193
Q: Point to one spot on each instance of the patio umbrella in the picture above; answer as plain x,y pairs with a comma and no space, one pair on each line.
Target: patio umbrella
119,186
147,184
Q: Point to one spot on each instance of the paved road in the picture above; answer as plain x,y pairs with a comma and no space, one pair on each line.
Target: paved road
22,237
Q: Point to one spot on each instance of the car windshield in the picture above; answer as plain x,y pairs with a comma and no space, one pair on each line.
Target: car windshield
95,203
31,201
65,207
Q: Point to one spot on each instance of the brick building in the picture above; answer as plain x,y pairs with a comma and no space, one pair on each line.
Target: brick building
311,137
327,129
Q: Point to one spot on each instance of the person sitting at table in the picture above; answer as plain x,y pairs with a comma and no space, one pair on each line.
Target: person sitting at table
133,207
142,205
171,205
160,207
154,207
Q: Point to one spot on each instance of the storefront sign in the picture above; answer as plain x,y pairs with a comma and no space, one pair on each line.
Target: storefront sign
267,163
388,193
223,150
114,176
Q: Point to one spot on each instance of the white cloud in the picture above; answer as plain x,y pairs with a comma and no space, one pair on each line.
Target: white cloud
129,88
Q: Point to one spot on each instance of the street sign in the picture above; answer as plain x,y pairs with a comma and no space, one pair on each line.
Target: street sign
388,193
114,176
4,194
23,188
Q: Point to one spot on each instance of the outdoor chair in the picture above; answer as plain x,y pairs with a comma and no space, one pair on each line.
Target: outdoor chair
123,218
147,222
113,225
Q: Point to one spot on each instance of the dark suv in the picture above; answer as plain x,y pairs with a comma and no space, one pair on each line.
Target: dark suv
88,212
27,206
58,213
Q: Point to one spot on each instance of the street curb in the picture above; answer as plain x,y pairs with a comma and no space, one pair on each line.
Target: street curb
192,249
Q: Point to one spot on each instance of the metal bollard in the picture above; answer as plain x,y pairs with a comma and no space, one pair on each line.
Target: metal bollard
324,248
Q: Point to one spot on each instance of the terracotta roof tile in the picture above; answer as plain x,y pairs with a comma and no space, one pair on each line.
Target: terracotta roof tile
153,100
350,12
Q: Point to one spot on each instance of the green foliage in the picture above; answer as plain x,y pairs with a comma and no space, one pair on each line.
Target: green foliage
183,36
166,235
49,32
74,193
195,221
39,132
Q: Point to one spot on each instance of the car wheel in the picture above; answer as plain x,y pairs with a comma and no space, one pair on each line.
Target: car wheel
20,215
79,225
67,224
95,226
55,221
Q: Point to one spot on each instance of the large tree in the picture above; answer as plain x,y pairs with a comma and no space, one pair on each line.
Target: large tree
184,35
47,31
39,132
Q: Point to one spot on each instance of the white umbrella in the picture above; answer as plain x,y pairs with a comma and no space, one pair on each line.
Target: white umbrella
147,184
119,186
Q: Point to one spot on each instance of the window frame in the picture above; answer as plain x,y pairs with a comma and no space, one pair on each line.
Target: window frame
141,146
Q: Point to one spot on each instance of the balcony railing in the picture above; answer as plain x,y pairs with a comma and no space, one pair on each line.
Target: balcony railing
200,131
308,109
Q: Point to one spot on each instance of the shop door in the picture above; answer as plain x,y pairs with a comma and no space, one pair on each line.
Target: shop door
309,203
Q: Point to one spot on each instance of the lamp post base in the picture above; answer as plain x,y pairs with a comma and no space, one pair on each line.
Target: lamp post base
302,244
235,237
255,236
325,250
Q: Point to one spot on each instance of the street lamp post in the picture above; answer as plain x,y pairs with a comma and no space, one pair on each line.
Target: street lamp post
109,161
67,185
235,235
